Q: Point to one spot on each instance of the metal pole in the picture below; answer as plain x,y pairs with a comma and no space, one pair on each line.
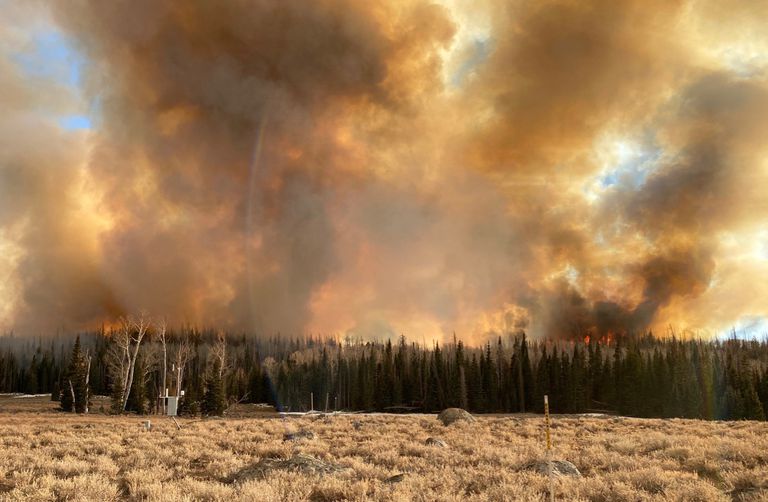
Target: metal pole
549,451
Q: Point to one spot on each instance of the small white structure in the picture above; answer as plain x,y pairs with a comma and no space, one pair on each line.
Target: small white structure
171,403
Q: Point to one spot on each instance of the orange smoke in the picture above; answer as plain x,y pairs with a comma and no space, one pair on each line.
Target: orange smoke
571,169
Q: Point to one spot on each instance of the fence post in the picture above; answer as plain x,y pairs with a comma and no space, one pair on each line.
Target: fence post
549,451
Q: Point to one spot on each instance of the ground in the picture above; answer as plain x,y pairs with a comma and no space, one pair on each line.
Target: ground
48,455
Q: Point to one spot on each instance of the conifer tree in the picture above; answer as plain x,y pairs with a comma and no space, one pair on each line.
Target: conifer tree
137,398
67,400
526,396
74,387
255,385
753,408
214,399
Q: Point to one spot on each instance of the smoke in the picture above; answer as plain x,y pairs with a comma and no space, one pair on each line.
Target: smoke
377,168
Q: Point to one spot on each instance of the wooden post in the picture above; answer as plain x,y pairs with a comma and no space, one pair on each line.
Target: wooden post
311,401
327,395
549,451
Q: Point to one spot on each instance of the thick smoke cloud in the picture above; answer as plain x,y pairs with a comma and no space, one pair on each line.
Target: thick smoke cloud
370,169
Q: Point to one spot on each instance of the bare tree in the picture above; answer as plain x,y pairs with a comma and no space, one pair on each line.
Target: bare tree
122,354
161,334
87,378
118,362
150,360
183,354
219,352
72,392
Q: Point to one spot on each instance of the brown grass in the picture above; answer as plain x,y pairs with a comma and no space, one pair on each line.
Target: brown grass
53,456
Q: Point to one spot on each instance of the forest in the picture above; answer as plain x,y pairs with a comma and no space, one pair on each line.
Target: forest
631,375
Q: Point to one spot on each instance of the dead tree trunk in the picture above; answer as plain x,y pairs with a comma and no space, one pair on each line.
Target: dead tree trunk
138,328
161,333
183,353
220,352
72,391
87,379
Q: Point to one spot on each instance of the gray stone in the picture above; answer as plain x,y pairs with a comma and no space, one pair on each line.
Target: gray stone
304,464
559,468
296,436
436,442
453,415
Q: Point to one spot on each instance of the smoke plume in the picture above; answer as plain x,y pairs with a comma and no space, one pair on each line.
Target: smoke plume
339,167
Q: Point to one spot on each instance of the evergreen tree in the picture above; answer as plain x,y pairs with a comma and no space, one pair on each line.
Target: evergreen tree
753,408
526,373
67,401
214,399
137,398
255,385
74,387
116,397
639,375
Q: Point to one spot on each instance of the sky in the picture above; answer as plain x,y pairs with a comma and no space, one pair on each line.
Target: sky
374,169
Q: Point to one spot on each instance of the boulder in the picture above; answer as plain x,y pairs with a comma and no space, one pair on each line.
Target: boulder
452,415
436,442
295,436
304,464
559,468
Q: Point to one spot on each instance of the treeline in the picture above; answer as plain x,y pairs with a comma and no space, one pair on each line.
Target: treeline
629,375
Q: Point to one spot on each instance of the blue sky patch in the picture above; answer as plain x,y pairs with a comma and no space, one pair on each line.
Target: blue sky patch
748,328
51,57
75,122
480,53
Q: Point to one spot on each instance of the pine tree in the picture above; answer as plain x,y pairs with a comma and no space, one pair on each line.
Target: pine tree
214,399
190,403
117,397
74,386
526,396
753,408
432,398
255,385
137,398
67,401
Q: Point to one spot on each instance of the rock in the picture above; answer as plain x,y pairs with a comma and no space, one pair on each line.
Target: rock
304,464
451,415
295,436
436,442
559,468
395,479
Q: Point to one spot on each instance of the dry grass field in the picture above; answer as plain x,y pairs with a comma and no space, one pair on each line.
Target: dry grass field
46,455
